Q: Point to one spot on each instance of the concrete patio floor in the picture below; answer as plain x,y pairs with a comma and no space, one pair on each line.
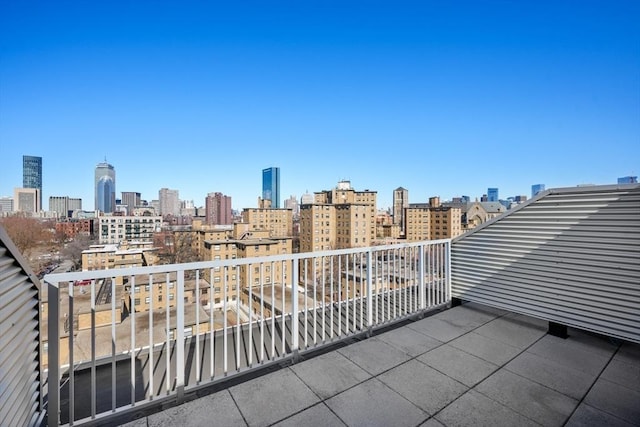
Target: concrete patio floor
469,365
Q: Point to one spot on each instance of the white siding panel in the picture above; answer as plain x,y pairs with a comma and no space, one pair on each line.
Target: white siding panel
20,387
570,256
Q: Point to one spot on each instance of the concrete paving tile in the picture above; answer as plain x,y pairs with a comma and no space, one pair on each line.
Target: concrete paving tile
439,329
423,386
528,320
319,415
510,331
476,410
141,422
616,400
588,416
372,403
486,348
580,351
497,312
272,397
623,373
374,356
432,422
467,316
629,352
330,374
218,407
459,365
409,340
535,401
566,380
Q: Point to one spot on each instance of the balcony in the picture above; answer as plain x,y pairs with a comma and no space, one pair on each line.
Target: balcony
531,319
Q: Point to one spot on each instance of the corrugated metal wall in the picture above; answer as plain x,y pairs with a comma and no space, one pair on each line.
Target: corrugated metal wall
570,256
20,388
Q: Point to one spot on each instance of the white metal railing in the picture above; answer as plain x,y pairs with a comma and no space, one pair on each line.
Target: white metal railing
202,322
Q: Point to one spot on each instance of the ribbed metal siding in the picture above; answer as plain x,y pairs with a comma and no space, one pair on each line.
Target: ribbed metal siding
571,256
19,343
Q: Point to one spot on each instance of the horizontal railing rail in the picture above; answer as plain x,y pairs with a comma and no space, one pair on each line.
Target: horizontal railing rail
123,339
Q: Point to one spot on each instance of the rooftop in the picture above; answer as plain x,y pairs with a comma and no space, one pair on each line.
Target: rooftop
468,365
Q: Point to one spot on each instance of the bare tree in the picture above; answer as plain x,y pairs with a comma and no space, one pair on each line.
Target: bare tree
176,247
26,233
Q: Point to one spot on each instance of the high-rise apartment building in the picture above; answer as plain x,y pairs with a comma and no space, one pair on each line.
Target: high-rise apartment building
492,195
105,184
278,222
271,186
32,175
292,203
132,200
218,209
628,180
400,203
536,188
62,205
169,202
338,218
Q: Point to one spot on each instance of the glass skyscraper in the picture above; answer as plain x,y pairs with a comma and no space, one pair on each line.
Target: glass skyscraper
271,186
32,175
536,188
105,188
492,195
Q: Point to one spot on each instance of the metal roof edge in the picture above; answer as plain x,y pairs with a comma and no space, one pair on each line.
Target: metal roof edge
546,193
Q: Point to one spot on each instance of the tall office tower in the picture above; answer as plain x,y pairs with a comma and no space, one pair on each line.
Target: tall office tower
492,195
218,209
32,175
400,203
536,188
132,200
271,186
628,180
75,204
105,181
169,202
59,205
26,200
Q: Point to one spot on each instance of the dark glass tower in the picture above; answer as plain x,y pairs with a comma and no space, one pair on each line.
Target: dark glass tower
271,186
492,195
105,188
32,175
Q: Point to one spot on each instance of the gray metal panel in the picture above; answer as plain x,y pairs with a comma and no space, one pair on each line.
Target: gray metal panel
570,255
20,387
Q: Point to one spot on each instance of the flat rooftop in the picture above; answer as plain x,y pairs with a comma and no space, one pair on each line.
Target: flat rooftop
469,365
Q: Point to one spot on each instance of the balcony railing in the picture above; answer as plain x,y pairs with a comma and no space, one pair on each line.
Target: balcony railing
124,339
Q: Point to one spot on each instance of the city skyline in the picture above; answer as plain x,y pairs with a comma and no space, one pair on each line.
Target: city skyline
442,100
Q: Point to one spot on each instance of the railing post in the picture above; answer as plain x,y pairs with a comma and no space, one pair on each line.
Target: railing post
448,267
370,267
53,355
180,336
421,282
295,344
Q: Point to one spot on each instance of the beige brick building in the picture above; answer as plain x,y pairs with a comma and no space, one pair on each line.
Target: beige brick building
432,221
338,218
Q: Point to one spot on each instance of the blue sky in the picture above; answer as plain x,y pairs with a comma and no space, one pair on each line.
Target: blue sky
442,98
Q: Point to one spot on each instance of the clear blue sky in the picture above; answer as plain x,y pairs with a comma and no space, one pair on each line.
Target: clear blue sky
442,98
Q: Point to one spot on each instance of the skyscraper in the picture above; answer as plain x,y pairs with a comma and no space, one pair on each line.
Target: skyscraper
492,195
400,203
32,175
105,181
536,188
271,186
